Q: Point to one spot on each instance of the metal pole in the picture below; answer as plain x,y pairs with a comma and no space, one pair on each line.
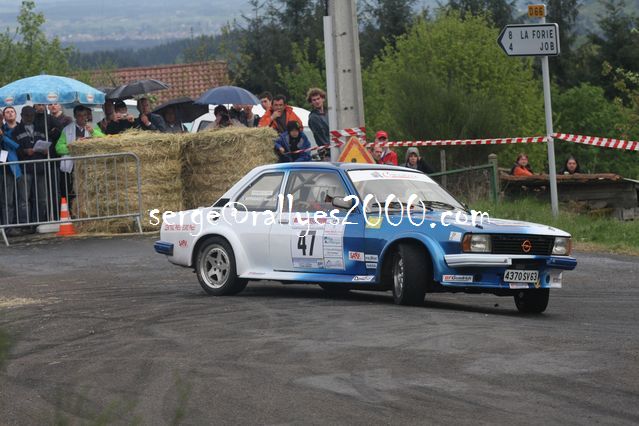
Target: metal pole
442,167
554,199
348,74
492,160
331,91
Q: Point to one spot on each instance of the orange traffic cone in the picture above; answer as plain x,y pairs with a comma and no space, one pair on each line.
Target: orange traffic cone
66,227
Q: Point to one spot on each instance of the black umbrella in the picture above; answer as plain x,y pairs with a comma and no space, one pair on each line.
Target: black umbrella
228,95
186,110
135,88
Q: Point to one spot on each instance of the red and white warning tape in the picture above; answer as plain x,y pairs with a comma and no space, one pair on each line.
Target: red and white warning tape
596,141
339,137
454,142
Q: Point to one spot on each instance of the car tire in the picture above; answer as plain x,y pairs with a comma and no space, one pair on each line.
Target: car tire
532,301
215,268
336,289
411,269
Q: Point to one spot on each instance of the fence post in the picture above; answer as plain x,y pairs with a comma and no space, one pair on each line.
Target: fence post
442,166
494,181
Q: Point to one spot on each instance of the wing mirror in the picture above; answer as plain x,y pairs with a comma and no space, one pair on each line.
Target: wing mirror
341,203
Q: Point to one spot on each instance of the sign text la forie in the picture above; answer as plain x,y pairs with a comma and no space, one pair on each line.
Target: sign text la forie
530,40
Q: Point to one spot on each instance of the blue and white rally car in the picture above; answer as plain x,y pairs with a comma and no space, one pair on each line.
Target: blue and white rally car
366,227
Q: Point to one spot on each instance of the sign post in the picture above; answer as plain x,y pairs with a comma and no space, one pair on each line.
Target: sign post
537,40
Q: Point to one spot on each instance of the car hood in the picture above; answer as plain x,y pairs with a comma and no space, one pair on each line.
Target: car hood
493,225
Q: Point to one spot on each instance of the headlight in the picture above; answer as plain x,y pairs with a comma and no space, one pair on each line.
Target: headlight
476,243
562,246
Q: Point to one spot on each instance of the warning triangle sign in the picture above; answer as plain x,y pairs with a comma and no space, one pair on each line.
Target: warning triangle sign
355,152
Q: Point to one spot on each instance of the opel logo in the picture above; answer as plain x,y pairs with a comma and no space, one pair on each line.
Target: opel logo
526,246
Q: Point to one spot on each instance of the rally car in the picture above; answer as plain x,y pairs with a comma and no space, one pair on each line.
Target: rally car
350,226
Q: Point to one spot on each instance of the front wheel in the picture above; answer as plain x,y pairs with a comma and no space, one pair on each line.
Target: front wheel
411,270
215,267
532,301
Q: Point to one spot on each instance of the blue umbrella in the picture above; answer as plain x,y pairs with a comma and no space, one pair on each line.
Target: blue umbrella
49,89
228,95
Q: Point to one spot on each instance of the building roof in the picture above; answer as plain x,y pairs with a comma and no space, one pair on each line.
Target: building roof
183,80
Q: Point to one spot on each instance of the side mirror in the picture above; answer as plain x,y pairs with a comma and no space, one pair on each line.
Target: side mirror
341,203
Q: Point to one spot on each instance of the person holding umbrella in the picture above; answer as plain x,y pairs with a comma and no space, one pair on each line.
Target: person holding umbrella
148,120
171,121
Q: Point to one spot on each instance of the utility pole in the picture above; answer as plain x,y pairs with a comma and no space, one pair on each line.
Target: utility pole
343,69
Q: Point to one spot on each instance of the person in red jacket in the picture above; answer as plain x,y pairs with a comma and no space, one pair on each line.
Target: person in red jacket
381,154
521,167
279,115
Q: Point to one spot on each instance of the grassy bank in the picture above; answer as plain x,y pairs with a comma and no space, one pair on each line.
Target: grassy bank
588,232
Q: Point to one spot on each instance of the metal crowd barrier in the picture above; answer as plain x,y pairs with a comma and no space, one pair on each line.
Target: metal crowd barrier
97,187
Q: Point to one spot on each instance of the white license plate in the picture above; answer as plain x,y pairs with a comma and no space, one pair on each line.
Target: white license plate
521,276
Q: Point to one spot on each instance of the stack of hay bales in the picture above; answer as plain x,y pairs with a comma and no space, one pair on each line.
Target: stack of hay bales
178,171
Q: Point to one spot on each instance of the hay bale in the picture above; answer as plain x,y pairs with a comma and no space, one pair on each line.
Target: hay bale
212,163
178,171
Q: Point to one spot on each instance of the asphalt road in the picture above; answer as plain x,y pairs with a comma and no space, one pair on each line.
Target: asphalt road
105,331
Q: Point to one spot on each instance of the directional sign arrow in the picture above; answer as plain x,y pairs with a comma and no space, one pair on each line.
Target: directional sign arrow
530,40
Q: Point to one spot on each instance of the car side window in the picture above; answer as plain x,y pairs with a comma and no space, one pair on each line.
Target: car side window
262,193
313,191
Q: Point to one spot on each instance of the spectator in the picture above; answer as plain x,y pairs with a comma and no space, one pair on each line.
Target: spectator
387,156
10,120
171,121
9,177
147,120
318,119
377,153
222,119
293,139
279,115
571,167
266,100
414,161
521,167
58,120
78,130
89,115
122,120
32,188
243,114
109,114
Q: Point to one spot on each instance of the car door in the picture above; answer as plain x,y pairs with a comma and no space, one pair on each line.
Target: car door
306,238
255,208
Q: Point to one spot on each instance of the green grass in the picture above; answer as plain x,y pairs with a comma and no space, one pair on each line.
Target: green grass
589,232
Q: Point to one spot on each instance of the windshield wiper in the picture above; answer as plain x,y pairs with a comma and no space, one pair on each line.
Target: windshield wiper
440,204
398,205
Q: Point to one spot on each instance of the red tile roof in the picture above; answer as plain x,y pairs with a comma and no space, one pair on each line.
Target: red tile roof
183,80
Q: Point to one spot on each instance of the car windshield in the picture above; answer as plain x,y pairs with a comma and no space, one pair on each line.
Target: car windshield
402,184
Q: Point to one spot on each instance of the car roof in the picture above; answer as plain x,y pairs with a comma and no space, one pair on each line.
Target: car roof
333,166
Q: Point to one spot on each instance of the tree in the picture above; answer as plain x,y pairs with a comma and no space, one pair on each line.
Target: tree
448,79
585,110
564,13
267,37
303,75
381,22
499,12
26,51
617,45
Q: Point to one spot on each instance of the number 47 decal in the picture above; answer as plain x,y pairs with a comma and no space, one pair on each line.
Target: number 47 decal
301,242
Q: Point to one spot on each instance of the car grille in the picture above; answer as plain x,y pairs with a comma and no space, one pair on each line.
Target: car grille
515,244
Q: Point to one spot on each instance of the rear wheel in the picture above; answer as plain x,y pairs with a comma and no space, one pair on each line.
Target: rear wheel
335,289
532,301
215,267
411,269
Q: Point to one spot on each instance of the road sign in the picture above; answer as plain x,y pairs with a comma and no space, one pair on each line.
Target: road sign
536,11
355,152
530,40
